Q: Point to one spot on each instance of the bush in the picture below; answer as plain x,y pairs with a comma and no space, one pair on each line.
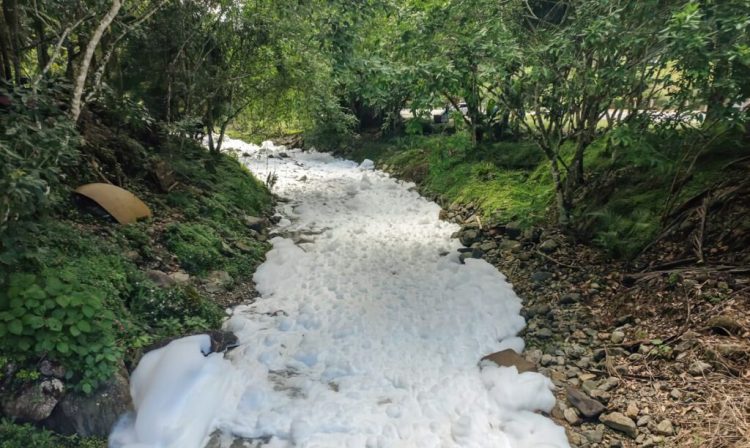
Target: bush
197,246
37,143
56,317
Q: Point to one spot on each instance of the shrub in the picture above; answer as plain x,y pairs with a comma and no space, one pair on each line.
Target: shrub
28,436
155,306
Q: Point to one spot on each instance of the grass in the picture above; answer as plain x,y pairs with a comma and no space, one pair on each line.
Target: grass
620,209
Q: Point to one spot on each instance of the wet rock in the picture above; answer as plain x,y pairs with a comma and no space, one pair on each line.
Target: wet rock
699,367
589,407
222,341
94,414
620,422
664,428
549,246
508,358
35,402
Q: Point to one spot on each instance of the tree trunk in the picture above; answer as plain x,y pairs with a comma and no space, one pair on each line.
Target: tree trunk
83,70
10,11
5,68
42,54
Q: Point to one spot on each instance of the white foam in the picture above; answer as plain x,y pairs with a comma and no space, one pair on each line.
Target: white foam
367,336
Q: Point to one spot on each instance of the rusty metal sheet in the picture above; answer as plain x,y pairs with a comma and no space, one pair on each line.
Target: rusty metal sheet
123,205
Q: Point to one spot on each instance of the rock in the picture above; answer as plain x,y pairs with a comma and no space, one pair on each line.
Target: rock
92,415
732,350
548,360
664,428
601,395
632,410
724,324
609,384
218,281
549,246
160,278
48,368
180,277
513,230
488,246
540,276
508,358
675,393
620,422
589,407
699,368
617,337
222,341
544,333
570,298
596,435
255,223
35,402
571,416
644,420
540,309
589,386
510,246
468,236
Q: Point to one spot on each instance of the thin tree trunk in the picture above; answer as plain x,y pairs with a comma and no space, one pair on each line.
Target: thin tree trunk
42,54
83,70
10,11
5,68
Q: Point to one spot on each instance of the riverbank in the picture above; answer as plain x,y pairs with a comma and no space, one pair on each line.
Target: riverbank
120,289
644,352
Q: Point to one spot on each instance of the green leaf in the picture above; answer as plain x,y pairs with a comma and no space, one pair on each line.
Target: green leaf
86,388
88,311
54,324
74,331
15,327
62,347
63,301
84,326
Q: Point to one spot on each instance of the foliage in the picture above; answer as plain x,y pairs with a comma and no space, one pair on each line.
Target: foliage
36,143
53,316
13,435
162,307
197,246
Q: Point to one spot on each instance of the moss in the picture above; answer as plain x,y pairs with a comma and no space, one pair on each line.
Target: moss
197,246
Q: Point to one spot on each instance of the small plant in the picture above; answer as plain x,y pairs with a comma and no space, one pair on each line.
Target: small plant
155,306
50,316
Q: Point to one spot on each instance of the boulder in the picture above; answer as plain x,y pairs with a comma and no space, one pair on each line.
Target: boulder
255,223
468,237
94,414
508,357
35,402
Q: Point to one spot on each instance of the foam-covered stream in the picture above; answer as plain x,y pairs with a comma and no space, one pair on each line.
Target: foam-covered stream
366,334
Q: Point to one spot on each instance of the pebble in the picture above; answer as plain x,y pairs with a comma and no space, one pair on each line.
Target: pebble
572,416
632,410
675,393
664,428
617,337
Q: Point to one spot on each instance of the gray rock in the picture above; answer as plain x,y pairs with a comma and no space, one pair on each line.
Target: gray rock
180,277
664,428
540,276
675,393
218,281
617,337
644,420
632,410
609,384
596,435
540,309
620,422
92,415
255,223
589,408
488,246
468,237
725,324
544,333
549,246
699,368
35,402
510,245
